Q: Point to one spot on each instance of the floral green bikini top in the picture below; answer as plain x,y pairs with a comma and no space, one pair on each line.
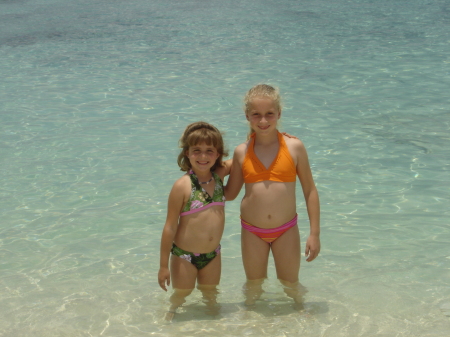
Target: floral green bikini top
200,199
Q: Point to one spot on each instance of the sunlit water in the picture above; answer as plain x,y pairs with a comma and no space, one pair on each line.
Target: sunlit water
94,96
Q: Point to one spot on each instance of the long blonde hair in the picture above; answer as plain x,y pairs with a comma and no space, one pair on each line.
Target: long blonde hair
197,133
262,90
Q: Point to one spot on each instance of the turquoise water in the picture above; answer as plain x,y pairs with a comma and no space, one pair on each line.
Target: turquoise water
94,96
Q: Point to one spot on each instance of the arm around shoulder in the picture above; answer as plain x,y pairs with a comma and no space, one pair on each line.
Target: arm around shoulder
225,169
236,179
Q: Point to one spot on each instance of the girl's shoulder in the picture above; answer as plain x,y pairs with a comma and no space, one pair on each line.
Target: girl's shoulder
240,152
296,149
182,182
242,148
292,141
180,192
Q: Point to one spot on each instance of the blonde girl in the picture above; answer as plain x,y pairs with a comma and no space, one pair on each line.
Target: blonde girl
269,164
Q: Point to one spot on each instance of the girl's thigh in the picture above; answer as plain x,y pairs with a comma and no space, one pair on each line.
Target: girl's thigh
210,274
255,255
182,273
286,255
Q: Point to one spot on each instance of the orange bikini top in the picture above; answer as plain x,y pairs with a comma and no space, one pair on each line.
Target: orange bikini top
282,168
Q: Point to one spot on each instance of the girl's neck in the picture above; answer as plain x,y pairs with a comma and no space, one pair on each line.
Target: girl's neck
203,176
266,139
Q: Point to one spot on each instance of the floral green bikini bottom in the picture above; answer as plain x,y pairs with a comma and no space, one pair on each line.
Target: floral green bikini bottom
198,260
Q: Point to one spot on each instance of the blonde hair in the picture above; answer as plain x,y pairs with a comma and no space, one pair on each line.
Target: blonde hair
197,133
262,90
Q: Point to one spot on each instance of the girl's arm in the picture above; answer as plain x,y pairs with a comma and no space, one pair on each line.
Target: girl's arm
312,201
224,170
174,207
236,179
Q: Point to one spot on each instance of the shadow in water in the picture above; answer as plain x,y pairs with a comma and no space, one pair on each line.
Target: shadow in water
262,308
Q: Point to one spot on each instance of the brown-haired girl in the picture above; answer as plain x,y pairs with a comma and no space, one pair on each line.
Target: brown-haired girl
195,218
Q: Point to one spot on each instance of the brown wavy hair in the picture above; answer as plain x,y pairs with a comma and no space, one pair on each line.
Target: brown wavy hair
197,133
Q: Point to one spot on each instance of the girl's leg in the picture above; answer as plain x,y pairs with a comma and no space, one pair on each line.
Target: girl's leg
286,255
183,275
210,274
177,299
208,278
253,291
296,291
255,257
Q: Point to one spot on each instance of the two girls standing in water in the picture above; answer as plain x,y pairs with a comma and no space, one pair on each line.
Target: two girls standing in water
268,164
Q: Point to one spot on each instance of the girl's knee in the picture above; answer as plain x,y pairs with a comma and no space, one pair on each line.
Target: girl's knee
209,290
179,295
288,277
206,286
209,293
295,290
291,284
253,291
254,286
177,299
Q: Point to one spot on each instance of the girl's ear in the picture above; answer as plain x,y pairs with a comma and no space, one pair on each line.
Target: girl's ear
279,114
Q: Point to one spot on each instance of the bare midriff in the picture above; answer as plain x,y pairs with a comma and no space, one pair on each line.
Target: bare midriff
269,204
201,232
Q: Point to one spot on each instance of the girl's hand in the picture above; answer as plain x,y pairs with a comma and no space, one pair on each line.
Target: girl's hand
312,248
164,278
288,135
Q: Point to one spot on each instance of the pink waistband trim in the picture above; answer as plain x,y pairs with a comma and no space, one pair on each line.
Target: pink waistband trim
195,210
255,229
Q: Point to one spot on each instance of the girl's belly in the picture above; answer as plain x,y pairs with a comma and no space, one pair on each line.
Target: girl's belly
268,204
201,232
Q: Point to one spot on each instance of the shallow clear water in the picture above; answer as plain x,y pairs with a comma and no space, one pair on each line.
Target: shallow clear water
94,96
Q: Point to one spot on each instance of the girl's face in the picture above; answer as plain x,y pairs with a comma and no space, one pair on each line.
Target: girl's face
202,156
263,114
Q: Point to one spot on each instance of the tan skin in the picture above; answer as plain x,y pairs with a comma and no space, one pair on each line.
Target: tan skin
190,233
269,204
